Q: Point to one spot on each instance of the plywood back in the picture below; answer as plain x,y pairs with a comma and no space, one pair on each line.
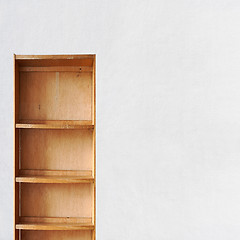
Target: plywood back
56,149
56,235
56,200
55,95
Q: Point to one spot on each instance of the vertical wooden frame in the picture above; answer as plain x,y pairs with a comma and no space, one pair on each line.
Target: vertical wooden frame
25,225
16,145
94,144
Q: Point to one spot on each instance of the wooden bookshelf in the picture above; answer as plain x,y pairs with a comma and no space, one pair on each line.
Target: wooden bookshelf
54,147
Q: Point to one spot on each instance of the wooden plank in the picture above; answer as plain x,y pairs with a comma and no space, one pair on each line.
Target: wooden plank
78,69
94,148
54,179
56,235
66,220
16,147
63,173
53,57
53,126
54,60
54,226
55,122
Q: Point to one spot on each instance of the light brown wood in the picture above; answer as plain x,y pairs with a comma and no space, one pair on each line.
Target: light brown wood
54,226
54,60
55,220
56,235
77,69
55,96
56,125
62,173
56,200
94,147
52,126
56,122
53,57
55,147
16,146
54,179
54,223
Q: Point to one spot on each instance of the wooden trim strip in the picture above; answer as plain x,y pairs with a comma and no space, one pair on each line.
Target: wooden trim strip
54,179
27,219
53,126
66,173
56,69
56,122
53,57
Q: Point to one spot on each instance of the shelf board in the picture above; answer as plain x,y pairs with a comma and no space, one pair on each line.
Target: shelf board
55,179
55,223
55,226
55,124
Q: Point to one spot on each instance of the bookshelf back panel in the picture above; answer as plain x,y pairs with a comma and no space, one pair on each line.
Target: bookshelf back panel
56,149
55,96
56,235
56,200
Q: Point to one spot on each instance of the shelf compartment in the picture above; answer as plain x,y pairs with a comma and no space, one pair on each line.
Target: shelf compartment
55,223
49,149
61,200
54,124
56,235
55,95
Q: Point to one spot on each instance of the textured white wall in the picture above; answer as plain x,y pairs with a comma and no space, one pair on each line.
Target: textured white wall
168,97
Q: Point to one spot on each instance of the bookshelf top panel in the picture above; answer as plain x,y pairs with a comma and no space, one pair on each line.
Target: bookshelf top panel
54,60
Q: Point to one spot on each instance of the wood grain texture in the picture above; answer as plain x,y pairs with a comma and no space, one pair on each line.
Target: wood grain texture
62,173
55,223
56,235
54,57
55,96
54,179
54,226
56,200
94,148
66,220
76,69
56,149
15,147
56,125
55,122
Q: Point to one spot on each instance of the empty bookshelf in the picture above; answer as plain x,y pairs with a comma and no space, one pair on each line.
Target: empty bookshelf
54,147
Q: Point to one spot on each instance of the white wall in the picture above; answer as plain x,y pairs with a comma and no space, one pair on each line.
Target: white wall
168,98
